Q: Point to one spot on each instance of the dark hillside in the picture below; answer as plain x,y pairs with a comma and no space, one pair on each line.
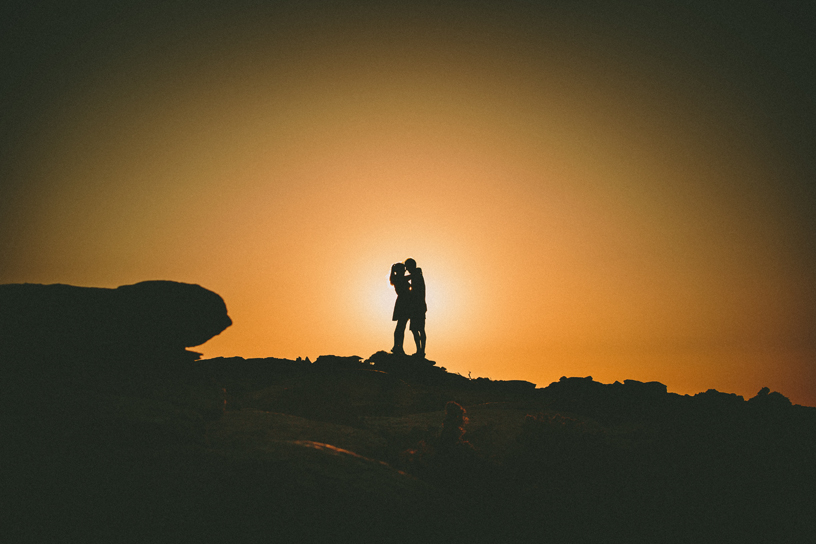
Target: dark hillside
149,444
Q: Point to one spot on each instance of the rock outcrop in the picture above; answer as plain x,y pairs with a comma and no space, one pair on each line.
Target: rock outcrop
148,319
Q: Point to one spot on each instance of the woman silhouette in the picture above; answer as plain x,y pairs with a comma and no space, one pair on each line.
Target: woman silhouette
402,307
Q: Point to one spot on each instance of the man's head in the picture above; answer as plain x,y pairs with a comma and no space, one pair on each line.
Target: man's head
410,264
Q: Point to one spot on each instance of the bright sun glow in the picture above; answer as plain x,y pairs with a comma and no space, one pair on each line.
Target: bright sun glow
446,293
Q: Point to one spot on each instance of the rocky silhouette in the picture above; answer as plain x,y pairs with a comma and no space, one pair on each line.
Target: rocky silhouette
148,318
389,448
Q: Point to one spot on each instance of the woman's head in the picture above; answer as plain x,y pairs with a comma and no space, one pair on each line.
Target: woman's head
397,270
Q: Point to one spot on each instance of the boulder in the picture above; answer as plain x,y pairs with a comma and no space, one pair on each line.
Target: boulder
61,322
337,362
646,389
507,386
768,400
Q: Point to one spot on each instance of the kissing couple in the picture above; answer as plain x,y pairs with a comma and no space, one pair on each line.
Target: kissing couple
410,305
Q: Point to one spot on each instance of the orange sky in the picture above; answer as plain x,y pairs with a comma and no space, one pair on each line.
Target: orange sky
584,195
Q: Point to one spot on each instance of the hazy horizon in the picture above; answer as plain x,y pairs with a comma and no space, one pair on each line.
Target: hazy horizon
591,188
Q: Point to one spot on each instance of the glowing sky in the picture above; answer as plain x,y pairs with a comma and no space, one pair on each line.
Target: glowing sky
591,188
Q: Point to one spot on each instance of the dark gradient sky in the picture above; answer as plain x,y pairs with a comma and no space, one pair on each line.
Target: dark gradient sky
615,189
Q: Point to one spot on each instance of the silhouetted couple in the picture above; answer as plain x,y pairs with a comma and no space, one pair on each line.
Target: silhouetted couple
410,305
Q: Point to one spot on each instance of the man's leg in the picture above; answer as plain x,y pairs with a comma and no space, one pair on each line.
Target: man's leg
419,337
417,341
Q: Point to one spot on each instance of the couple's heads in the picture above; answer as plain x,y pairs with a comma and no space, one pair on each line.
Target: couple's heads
398,269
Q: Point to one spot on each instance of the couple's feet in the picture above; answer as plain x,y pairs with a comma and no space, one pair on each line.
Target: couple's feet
399,351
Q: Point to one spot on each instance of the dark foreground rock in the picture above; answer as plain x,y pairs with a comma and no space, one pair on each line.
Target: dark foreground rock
308,452
286,491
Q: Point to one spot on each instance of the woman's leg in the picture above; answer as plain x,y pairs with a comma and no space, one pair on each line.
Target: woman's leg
399,336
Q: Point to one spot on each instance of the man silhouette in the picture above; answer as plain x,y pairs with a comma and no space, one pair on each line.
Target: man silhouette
418,307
